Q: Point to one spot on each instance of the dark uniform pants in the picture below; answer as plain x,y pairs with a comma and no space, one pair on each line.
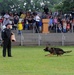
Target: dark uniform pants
7,45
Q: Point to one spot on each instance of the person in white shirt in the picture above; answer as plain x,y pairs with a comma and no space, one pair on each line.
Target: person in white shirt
6,15
6,20
37,19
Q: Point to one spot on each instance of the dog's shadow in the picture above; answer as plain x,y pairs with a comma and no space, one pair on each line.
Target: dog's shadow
67,55
58,56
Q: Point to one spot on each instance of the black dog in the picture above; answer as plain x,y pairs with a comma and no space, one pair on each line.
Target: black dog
55,51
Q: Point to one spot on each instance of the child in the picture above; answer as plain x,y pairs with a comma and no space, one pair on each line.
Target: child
20,27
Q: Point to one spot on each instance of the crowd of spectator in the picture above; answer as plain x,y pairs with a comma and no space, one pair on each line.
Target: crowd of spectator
58,22
61,22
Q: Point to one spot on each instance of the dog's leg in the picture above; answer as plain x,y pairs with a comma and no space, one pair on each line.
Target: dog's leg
49,55
59,54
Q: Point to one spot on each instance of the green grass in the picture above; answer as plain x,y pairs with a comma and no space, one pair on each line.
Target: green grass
32,61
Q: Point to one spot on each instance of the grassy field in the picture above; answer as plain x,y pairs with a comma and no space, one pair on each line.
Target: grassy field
32,61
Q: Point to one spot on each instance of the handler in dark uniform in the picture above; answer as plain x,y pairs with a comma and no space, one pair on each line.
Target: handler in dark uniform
6,38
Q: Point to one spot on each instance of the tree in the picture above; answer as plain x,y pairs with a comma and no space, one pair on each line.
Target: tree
26,5
66,6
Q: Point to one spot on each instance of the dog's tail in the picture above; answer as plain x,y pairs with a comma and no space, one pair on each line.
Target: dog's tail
68,51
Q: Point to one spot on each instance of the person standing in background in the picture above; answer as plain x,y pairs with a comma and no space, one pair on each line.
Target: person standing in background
46,10
20,27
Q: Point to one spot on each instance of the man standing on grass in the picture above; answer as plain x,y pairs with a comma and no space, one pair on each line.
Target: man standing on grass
6,38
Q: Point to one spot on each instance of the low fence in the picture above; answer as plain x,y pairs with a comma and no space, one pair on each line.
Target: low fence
44,39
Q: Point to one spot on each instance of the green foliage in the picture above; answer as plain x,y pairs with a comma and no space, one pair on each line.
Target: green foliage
26,5
1,0
66,5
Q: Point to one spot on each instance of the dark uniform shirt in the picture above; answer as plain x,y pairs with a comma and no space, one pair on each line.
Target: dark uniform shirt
6,34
